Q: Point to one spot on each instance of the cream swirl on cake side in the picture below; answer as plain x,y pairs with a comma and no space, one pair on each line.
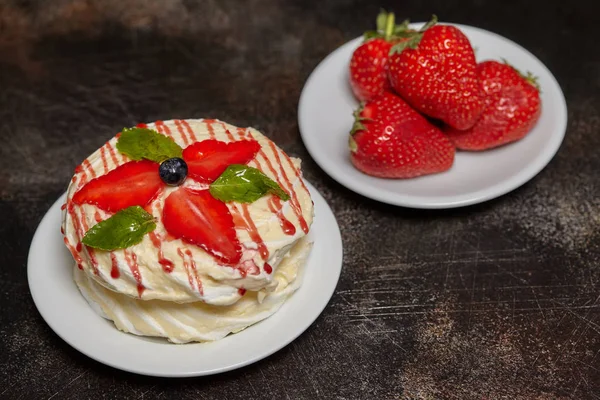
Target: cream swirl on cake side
197,321
161,267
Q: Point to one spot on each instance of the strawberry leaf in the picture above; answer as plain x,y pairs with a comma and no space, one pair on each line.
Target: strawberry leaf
143,143
432,22
122,230
245,184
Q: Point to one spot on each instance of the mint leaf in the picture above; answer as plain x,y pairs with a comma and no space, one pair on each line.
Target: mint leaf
244,184
122,230
139,143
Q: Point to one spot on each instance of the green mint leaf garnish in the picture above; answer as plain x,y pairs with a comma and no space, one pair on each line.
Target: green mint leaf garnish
244,184
122,230
139,143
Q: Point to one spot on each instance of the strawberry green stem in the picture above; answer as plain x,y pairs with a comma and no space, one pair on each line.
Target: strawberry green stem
413,38
389,26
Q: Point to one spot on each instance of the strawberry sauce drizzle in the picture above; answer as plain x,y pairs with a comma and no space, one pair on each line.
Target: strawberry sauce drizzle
241,291
62,208
113,154
276,207
141,125
87,165
104,161
98,217
294,198
275,204
244,221
190,131
114,270
74,252
162,128
90,251
209,125
268,269
167,265
190,268
131,259
181,132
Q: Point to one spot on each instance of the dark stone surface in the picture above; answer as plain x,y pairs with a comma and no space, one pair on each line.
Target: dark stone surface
495,301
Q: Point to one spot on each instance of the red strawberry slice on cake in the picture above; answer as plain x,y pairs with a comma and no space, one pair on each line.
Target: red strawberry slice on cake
135,183
208,159
198,218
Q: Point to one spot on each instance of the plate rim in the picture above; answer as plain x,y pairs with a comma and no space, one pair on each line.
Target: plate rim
533,168
333,232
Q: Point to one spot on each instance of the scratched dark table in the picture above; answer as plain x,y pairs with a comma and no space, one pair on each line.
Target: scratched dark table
495,301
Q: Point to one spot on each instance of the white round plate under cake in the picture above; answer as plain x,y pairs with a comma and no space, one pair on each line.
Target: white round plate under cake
325,119
50,275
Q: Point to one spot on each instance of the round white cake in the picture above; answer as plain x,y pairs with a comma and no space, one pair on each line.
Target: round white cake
169,287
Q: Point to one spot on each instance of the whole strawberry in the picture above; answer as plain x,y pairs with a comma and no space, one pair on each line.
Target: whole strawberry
435,72
512,108
391,140
368,65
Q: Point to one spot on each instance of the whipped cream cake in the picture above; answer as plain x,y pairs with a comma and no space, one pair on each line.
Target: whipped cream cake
188,229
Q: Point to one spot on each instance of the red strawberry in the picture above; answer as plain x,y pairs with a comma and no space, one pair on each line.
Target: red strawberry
198,218
368,65
435,72
391,140
135,183
208,159
512,108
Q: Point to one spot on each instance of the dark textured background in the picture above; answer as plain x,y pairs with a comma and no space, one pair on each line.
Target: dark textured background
495,301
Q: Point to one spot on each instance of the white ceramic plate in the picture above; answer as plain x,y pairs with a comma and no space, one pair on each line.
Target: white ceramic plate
325,119
50,269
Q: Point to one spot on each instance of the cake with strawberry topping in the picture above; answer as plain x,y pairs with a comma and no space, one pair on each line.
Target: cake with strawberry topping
188,229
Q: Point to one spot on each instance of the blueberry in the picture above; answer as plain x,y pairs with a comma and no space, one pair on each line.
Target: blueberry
173,171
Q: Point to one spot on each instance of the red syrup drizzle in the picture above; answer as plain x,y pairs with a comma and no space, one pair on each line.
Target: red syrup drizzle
244,221
114,271
131,259
162,128
209,125
103,157
167,265
90,251
181,132
268,269
74,253
62,208
86,164
62,230
276,207
294,198
113,154
77,227
190,131
275,204
241,291
78,247
98,217
141,125
190,269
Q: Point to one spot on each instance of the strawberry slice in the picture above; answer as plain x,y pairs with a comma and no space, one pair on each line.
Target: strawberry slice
208,159
135,183
198,218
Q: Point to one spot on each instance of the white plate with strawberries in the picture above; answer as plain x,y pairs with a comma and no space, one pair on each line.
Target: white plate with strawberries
457,126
